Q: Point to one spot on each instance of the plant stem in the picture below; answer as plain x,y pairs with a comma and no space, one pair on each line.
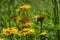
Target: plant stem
42,37
41,26
11,37
56,15
58,34
41,29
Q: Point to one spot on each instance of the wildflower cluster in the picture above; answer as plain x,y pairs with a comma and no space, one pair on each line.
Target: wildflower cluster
9,31
29,20
22,22
26,32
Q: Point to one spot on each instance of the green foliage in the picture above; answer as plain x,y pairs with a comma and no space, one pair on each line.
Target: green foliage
8,9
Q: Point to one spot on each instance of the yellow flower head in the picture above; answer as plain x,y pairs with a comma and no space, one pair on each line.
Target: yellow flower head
28,23
37,16
23,8
26,32
43,33
25,21
40,17
2,38
9,31
25,25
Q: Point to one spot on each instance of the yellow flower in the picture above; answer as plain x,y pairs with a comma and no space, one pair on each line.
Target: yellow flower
2,38
37,16
40,17
25,21
9,31
26,32
43,33
23,8
28,23
25,25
